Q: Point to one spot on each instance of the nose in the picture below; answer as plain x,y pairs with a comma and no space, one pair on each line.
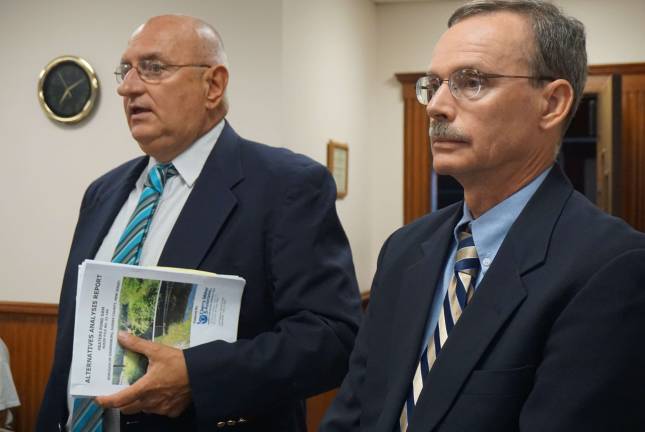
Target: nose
131,84
442,105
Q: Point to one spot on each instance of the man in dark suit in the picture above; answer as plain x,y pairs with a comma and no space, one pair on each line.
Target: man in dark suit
233,207
522,307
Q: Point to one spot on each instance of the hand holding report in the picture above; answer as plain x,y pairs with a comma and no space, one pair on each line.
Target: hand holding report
176,307
163,390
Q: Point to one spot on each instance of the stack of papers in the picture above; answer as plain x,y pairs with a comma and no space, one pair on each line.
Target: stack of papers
176,307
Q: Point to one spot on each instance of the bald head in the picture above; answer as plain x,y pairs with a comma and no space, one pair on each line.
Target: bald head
175,89
196,36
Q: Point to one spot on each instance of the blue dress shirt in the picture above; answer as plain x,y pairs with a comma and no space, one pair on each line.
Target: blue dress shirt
489,231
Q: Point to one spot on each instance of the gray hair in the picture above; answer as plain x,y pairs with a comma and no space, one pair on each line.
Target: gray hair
559,50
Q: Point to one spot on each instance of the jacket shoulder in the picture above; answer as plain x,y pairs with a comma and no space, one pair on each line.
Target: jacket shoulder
107,182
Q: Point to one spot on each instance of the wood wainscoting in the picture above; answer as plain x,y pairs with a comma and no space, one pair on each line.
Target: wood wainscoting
29,331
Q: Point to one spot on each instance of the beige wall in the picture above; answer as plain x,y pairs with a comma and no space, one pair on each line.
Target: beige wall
328,51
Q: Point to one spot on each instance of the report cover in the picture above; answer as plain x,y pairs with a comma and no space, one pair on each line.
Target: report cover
176,307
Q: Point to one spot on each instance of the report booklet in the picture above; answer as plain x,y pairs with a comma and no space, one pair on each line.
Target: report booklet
176,307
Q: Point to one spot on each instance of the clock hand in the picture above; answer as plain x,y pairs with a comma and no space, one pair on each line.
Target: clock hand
68,90
75,84
67,94
62,79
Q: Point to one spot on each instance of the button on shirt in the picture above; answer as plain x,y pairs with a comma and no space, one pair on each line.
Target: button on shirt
489,231
189,165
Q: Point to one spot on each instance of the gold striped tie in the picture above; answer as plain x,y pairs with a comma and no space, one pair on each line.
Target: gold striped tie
460,291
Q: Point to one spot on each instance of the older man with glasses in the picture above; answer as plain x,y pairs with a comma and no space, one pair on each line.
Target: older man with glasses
226,205
522,307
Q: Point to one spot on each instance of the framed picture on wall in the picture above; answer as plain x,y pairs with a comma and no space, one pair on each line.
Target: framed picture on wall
338,164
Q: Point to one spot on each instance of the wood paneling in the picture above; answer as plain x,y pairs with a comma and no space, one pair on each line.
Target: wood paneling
29,331
633,151
416,152
621,69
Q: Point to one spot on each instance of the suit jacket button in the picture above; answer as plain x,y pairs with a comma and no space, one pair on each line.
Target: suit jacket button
221,424
231,422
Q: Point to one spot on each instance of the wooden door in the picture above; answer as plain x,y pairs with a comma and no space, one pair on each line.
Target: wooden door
633,150
607,90
417,158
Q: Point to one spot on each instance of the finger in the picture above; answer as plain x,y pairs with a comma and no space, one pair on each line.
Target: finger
132,408
125,397
136,344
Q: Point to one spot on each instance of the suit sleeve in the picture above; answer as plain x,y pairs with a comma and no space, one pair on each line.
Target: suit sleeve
317,308
592,376
344,414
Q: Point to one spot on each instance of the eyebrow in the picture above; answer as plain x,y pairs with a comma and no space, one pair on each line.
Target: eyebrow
461,67
150,56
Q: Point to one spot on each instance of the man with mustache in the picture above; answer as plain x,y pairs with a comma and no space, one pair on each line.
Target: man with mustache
522,307
226,205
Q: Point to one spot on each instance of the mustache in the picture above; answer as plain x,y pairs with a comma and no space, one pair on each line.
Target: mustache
445,131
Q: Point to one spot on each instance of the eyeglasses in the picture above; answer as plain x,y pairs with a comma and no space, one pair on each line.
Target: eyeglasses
150,71
463,84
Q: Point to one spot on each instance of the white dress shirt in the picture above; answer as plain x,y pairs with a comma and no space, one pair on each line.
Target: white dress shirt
189,165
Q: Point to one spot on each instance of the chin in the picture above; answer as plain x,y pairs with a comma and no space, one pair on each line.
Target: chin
446,165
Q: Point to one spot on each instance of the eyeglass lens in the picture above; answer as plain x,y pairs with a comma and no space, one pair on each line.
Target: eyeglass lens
465,83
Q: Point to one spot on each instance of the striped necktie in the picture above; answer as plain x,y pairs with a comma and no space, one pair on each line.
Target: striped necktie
86,415
128,249
460,292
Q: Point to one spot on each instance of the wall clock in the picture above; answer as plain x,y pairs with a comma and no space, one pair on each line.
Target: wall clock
67,89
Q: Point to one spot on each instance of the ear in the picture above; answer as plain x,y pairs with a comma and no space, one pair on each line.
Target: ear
216,80
557,101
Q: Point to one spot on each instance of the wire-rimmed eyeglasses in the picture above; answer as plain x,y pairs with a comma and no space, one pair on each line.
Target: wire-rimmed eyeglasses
463,83
151,71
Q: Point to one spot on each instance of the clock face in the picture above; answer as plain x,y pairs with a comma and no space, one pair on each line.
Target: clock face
67,89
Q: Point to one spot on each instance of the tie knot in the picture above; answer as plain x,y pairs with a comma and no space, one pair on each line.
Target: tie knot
467,260
159,175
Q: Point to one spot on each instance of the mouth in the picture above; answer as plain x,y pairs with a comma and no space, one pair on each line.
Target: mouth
136,112
448,142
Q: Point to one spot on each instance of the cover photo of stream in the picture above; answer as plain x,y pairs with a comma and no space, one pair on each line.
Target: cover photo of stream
154,310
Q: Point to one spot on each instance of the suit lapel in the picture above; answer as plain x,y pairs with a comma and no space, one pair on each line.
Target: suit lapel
411,315
500,293
96,219
208,206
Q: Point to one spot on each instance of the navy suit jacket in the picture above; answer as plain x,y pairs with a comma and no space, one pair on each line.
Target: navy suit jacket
553,339
265,214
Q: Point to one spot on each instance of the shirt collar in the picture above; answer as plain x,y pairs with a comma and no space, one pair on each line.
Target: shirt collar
490,229
189,164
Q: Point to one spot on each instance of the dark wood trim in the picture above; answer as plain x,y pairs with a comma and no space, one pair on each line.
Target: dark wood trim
28,308
622,69
409,77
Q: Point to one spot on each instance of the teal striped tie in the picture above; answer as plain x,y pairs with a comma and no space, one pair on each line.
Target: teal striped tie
128,249
88,416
